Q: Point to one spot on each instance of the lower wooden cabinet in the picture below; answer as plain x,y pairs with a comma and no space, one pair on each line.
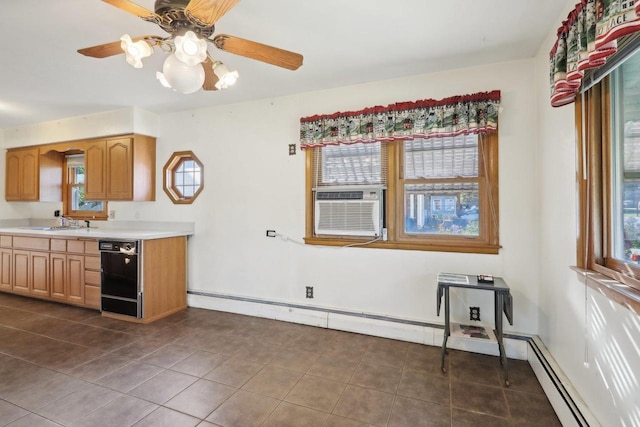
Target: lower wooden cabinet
69,272
5,269
31,272
75,278
58,276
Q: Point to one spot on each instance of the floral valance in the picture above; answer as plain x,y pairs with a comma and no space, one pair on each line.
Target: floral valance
585,40
477,113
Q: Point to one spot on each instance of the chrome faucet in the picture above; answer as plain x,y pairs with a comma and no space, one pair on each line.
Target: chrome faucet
68,222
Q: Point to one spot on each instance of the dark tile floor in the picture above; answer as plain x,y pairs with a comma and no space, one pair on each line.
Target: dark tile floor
61,365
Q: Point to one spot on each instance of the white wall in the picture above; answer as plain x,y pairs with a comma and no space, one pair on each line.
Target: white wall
252,184
594,340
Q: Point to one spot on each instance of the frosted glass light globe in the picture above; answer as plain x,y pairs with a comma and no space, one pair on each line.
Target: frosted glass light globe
190,49
182,77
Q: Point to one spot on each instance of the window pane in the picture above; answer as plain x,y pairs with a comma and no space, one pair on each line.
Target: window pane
351,164
626,163
188,191
78,203
442,208
178,178
78,175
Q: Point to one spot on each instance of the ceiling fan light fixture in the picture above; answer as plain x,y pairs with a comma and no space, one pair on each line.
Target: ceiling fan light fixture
226,78
190,49
181,77
135,51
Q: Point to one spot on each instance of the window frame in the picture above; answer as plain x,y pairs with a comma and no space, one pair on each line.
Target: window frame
593,116
67,187
169,171
486,243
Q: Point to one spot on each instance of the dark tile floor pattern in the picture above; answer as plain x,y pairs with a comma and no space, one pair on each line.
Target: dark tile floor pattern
62,365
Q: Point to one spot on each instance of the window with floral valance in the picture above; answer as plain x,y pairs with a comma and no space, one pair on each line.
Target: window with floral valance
477,113
431,166
586,39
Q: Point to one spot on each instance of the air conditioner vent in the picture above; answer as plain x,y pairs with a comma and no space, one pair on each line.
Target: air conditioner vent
340,195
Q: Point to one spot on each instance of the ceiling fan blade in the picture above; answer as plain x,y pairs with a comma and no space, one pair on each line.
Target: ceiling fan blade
133,8
207,12
258,51
210,78
113,48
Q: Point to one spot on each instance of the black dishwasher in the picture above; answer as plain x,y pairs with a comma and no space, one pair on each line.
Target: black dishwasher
121,291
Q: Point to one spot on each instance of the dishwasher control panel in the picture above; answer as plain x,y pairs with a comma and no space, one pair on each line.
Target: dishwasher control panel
128,247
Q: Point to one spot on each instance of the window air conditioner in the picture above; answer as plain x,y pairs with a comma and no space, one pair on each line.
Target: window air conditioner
348,212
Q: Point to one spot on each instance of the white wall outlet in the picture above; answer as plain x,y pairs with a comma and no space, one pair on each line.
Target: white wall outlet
112,214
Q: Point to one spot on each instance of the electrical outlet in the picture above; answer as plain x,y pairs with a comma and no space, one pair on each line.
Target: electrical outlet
474,313
112,214
271,233
309,291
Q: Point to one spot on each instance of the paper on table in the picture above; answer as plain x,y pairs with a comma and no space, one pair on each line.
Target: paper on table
458,279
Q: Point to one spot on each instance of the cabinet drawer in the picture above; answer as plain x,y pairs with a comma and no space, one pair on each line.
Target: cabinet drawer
58,245
75,246
92,296
31,243
92,263
91,247
6,241
92,277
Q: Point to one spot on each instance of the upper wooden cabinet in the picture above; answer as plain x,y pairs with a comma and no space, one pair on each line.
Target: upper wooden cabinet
117,168
121,169
22,175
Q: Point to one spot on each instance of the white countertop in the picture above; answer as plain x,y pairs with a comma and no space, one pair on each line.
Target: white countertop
95,233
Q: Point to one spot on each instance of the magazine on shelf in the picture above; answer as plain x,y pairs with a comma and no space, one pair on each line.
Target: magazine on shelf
458,279
478,332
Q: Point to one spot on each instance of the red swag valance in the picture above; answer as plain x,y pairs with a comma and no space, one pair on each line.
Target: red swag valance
477,113
585,40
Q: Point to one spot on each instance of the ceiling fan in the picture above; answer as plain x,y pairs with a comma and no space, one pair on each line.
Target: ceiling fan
191,26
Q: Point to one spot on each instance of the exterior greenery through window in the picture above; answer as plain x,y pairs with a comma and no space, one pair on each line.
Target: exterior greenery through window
609,115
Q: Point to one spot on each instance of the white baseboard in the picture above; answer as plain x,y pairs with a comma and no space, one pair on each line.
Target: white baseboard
380,326
569,406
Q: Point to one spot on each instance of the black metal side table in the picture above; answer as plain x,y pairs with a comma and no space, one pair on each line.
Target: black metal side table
503,303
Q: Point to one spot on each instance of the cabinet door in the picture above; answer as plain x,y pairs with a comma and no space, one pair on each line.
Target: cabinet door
58,276
120,169
30,175
21,270
95,161
12,183
40,273
5,269
22,175
75,278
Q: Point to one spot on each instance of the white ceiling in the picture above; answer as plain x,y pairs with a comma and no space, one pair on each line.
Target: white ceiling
344,42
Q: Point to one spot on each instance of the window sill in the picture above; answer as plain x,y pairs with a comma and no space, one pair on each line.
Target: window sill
462,247
624,295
